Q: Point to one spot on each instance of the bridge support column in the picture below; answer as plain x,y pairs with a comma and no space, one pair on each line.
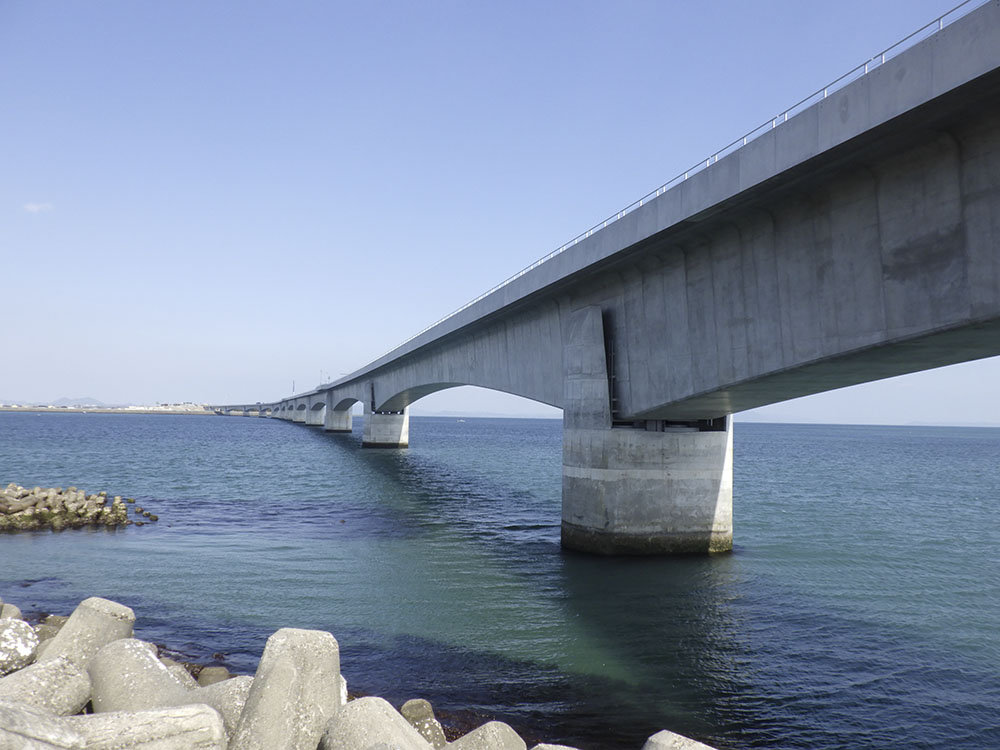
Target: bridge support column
299,415
338,421
386,429
648,488
314,417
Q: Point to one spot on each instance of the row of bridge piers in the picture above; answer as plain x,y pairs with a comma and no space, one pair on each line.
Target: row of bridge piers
381,429
636,486
858,240
646,487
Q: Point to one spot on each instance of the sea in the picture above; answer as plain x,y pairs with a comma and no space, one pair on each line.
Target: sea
860,607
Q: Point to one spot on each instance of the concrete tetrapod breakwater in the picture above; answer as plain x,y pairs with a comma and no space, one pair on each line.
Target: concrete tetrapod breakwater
84,683
54,508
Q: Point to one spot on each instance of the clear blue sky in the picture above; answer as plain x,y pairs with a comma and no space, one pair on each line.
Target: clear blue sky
206,201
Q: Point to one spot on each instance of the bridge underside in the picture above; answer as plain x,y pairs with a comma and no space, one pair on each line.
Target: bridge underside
964,344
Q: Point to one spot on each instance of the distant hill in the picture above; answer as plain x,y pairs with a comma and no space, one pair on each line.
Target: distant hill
81,401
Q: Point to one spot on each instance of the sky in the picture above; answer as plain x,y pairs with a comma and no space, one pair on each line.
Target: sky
220,201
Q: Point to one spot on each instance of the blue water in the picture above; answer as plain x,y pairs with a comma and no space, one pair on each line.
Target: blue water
860,607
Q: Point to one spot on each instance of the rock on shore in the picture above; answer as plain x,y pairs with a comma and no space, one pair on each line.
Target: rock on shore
84,682
23,509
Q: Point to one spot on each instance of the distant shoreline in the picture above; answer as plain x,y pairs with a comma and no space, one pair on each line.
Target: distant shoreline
104,410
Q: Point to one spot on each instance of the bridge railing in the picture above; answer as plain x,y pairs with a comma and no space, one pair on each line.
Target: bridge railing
929,30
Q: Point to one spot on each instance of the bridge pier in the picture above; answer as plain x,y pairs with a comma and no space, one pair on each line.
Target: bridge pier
338,421
386,429
649,487
314,416
630,491
299,415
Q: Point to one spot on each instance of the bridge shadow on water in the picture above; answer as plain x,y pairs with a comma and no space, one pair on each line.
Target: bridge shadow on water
629,649
619,647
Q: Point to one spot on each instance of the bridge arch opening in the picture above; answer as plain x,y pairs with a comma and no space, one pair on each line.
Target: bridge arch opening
346,404
461,399
387,423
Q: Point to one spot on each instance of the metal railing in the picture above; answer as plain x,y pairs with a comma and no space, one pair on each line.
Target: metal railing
929,30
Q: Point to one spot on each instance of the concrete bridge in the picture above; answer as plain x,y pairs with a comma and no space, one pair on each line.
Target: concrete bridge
853,238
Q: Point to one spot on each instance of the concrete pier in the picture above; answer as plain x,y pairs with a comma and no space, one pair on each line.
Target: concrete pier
652,490
386,429
315,415
643,487
337,421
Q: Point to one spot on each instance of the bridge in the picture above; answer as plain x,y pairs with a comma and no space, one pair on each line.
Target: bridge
852,238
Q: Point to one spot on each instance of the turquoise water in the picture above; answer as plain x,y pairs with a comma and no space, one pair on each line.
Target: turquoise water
860,607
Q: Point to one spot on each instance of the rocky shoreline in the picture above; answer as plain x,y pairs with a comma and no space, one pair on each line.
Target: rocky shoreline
84,682
54,508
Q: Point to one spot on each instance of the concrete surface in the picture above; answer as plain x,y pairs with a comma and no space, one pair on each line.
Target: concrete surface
386,430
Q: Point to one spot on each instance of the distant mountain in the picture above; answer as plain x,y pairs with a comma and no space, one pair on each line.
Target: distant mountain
81,401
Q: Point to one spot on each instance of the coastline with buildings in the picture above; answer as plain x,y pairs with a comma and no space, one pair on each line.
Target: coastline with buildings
180,408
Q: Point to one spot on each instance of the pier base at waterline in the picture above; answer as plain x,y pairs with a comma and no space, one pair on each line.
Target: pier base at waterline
386,429
657,490
338,421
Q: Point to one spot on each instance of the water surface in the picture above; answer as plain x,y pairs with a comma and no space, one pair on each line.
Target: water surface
859,608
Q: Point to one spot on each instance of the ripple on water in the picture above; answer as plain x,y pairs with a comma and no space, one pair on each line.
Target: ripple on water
854,611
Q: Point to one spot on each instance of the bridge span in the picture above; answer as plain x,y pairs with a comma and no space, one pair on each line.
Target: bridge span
853,238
